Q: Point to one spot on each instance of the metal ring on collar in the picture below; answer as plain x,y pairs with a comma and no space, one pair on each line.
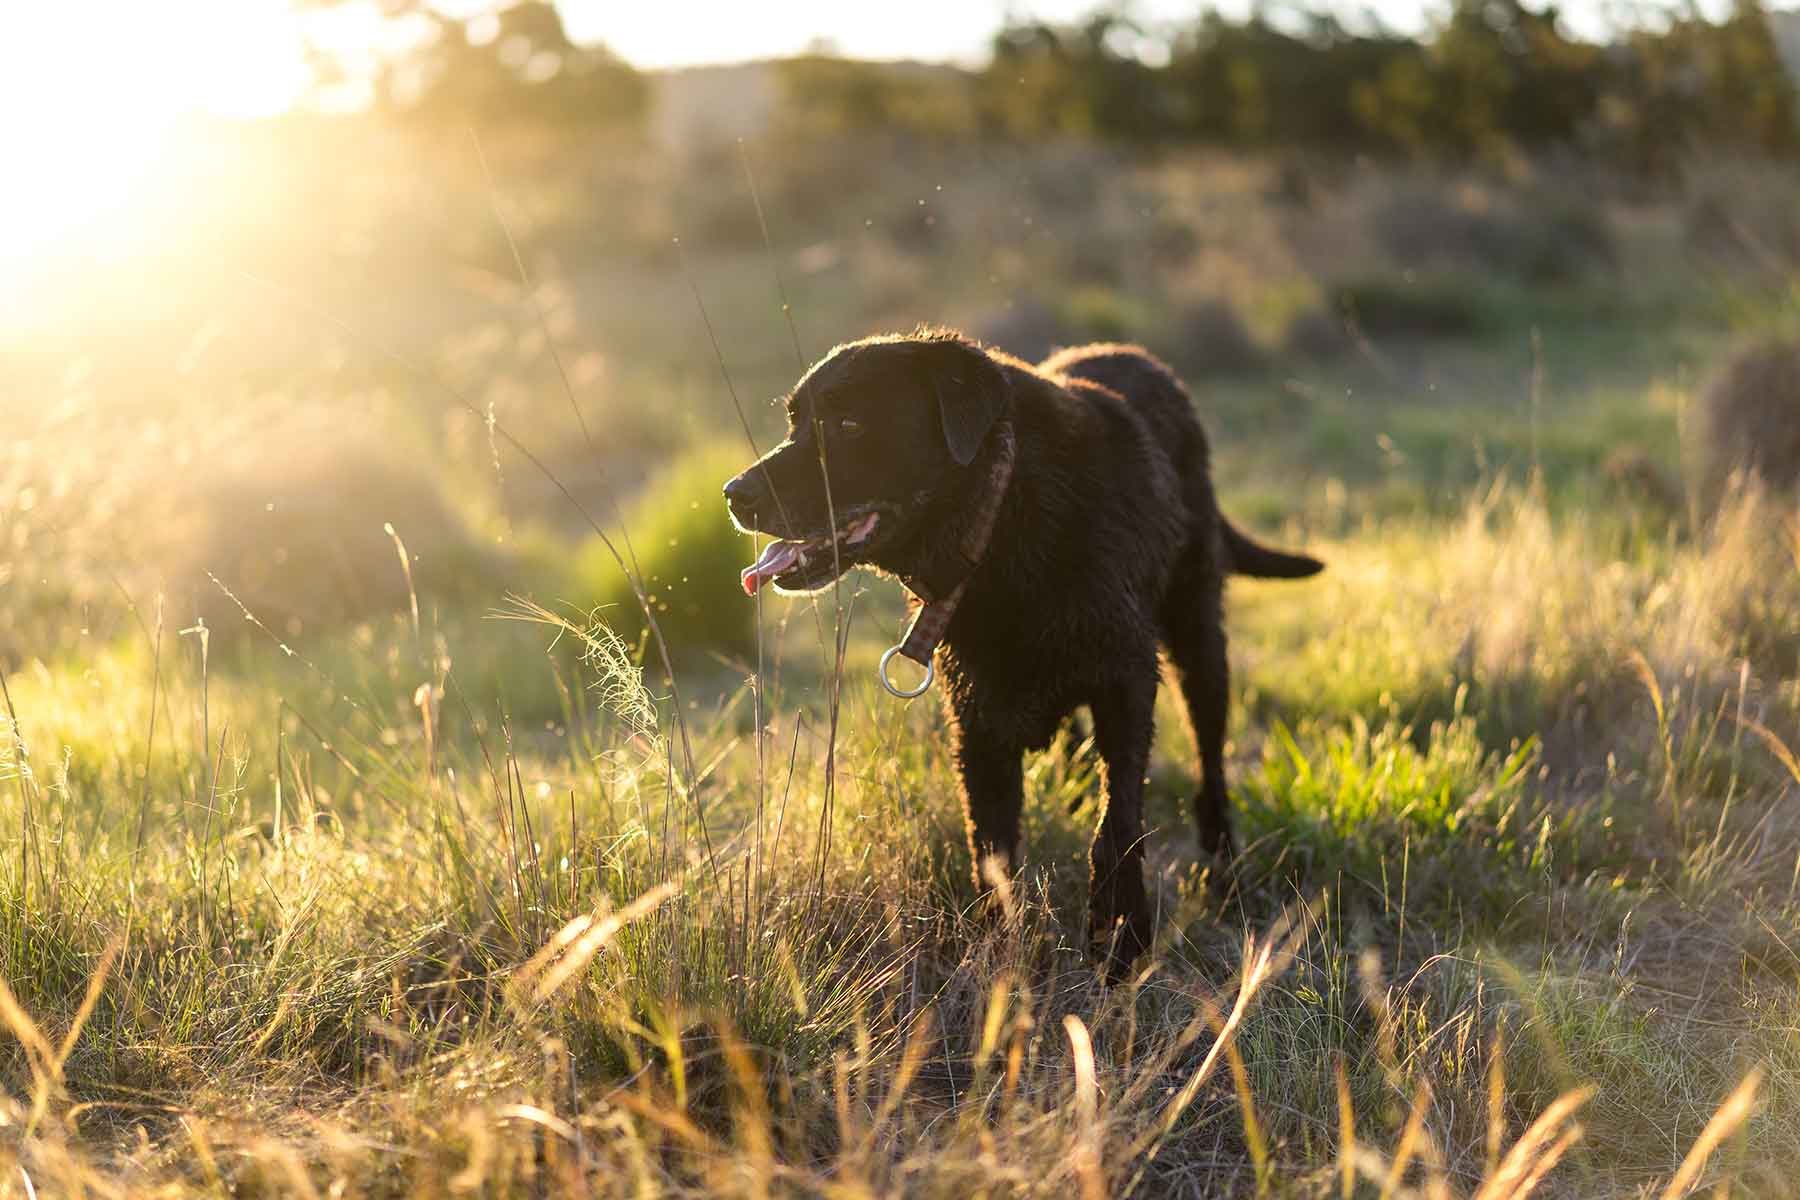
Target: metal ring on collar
930,674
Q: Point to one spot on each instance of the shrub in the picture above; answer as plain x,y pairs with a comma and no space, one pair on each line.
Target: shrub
1744,217
1750,418
1540,238
299,538
1104,314
1027,329
1553,240
1292,185
689,554
1318,334
1030,329
1418,223
1634,475
1172,241
1212,337
1092,253
1207,337
1410,306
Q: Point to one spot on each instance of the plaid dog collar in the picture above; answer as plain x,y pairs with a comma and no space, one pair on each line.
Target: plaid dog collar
932,617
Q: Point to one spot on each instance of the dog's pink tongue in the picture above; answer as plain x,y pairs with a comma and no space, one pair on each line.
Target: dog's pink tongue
777,557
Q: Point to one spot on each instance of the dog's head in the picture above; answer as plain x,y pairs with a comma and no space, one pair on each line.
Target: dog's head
878,430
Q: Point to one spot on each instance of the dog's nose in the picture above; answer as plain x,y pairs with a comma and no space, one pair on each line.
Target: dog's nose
743,495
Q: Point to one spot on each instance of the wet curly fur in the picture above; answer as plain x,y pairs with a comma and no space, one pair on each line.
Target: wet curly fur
1109,546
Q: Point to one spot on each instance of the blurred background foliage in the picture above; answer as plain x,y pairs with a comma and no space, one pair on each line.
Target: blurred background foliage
1490,78
1495,77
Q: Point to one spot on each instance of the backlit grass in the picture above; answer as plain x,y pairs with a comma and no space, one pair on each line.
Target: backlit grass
403,868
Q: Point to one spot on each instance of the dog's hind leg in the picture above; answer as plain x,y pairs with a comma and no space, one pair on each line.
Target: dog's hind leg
1119,915
1194,627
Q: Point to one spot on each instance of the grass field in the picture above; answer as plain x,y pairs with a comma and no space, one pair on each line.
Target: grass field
359,843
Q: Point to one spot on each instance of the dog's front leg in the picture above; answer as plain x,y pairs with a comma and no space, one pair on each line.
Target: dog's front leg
993,790
1118,910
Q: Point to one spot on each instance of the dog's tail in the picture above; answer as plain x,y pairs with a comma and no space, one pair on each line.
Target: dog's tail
1247,557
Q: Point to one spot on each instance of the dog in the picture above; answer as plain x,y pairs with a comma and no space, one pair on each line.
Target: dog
1058,524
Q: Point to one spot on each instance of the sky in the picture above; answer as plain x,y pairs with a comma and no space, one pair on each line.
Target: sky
246,57
957,30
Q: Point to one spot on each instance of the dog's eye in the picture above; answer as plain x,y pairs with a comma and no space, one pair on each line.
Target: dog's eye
850,427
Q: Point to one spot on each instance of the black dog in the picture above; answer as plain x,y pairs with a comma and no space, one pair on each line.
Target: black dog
1060,521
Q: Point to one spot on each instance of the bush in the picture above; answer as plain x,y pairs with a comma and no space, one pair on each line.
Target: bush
1292,185
1318,334
1637,477
1093,254
1418,223
1744,216
1027,329
1104,314
1207,337
300,538
1750,419
1539,238
1031,330
1212,338
1410,306
690,556
1554,240
1172,242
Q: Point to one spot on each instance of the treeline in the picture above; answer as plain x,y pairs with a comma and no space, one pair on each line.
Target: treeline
513,62
1495,77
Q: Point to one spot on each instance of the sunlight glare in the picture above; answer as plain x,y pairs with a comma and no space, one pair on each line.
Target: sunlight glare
91,94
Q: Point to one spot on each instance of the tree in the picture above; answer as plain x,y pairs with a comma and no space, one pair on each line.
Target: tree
514,60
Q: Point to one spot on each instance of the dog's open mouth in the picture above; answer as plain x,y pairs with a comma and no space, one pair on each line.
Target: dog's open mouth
811,562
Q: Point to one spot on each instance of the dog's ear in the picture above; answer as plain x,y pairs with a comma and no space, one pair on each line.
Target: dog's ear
972,393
